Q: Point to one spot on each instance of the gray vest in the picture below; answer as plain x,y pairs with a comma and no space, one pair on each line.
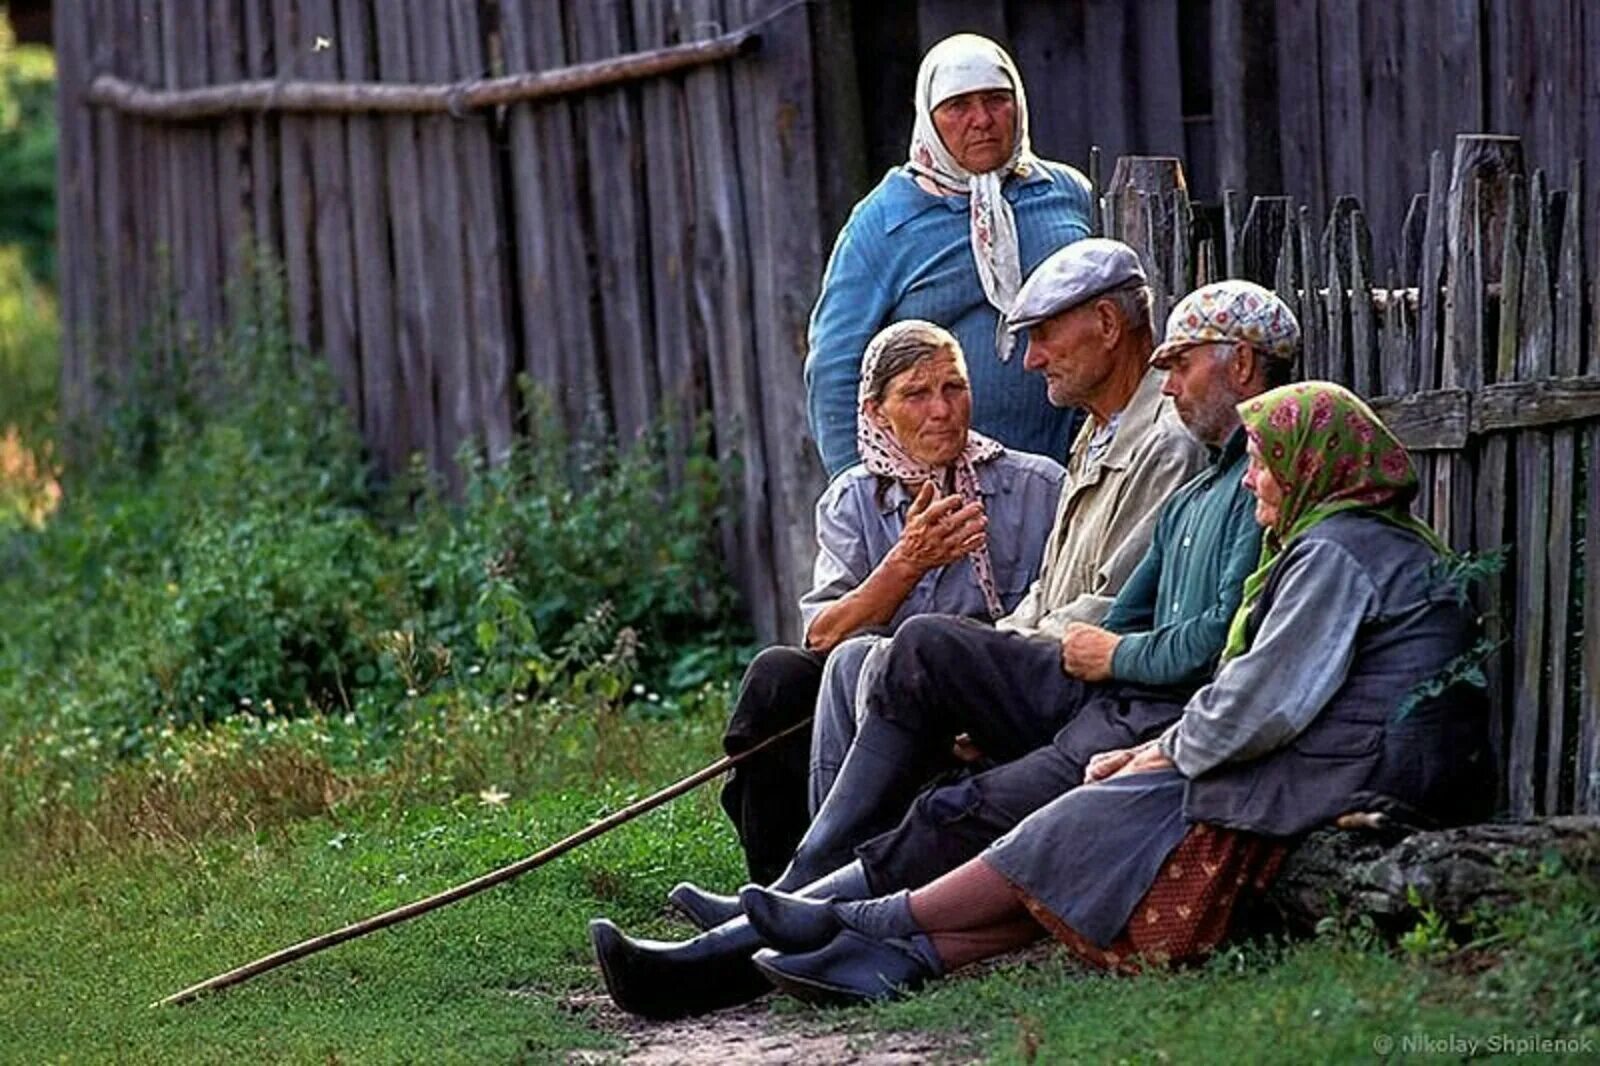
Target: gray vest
1429,765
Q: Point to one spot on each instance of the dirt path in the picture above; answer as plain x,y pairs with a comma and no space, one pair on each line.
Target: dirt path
755,1035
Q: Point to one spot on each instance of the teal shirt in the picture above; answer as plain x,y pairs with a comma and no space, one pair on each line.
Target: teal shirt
1174,611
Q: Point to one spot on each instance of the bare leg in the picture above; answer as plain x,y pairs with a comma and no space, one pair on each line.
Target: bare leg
972,913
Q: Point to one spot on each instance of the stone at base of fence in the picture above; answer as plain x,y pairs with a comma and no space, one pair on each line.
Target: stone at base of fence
1394,876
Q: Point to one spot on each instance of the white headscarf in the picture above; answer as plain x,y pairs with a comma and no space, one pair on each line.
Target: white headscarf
961,64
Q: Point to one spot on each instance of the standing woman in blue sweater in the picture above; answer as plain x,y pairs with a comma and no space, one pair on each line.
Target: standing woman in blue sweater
948,237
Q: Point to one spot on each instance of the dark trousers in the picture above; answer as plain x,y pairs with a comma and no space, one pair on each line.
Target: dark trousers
765,797
947,676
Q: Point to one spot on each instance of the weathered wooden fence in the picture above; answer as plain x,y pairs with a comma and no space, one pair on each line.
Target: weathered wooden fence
1318,98
464,191
1481,350
640,236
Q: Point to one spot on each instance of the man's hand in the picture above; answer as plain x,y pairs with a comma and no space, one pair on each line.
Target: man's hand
940,530
1086,651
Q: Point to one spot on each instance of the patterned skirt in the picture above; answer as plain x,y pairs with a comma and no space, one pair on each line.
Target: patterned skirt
1187,910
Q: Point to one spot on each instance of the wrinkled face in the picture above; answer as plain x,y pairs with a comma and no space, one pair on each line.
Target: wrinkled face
1200,383
1269,494
978,128
928,409
1071,351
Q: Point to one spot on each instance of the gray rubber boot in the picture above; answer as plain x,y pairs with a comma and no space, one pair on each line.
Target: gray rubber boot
885,769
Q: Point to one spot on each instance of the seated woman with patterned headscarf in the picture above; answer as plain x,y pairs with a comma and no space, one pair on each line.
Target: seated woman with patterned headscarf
1325,703
935,518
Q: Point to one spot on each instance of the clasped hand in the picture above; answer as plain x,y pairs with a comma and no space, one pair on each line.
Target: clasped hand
941,529
1126,761
1086,651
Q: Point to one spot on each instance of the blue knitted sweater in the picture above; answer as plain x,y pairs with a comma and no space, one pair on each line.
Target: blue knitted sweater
906,253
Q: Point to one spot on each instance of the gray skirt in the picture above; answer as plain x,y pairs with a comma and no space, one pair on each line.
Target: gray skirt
1090,855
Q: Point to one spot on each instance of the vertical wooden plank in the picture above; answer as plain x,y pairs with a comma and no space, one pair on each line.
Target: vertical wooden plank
777,140
451,340
938,19
290,49
1157,86
1315,362
203,271
1261,239
1384,100
669,194
1412,231
1341,49
1533,518
1336,337
1107,73
724,313
1300,130
225,44
1363,324
556,286
1588,759
1048,45
840,123
486,269
614,144
414,261
1287,284
1567,361
1244,95
335,292
372,277
1493,511
106,245
266,206
1430,297
74,173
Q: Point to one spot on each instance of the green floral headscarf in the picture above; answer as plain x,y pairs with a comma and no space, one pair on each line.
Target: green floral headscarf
1330,453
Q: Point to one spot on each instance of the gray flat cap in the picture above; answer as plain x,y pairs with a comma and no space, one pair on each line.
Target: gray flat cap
1080,271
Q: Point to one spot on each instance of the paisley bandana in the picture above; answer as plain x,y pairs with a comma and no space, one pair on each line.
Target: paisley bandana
1331,454
882,454
970,60
1233,310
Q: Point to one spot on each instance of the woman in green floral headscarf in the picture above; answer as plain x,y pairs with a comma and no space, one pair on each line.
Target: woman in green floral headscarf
1325,452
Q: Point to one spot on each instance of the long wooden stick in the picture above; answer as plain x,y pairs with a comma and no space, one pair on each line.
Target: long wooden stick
478,884
332,97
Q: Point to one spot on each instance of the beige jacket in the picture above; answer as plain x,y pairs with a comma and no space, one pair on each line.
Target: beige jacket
1107,514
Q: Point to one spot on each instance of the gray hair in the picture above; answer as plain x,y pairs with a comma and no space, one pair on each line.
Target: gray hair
900,346
1136,305
1276,370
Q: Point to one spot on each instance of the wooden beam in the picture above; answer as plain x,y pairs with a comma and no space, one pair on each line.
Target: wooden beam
217,101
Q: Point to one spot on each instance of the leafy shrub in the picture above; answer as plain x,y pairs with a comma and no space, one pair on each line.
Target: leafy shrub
28,151
227,553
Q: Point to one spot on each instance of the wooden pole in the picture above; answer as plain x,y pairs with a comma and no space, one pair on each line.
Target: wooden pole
216,101
240,974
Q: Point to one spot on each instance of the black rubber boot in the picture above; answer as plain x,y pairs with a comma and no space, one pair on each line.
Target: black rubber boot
706,910
880,777
660,980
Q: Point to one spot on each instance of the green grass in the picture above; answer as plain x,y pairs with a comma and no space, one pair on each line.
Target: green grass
91,936
89,943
